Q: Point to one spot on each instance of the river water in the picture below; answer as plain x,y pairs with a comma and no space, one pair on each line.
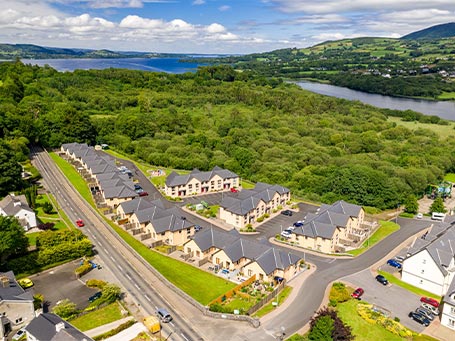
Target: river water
443,109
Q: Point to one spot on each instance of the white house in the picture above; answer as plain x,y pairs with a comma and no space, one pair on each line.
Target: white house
448,308
17,206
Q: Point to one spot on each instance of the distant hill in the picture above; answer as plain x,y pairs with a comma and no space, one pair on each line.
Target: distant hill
437,31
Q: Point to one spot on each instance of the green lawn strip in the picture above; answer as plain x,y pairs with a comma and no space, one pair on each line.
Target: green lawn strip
58,223
386,228
450,177
283,295
32,238
247,184
392,279
422,337
74,177
40,200
96,318
361,329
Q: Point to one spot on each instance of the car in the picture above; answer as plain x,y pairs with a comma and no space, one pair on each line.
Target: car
399,259
95,296
357,293
164,315
137,186
434,310
143,194
197,228
419,318
19,334
394,263
80,223
298,223
425,312
139,190
381,279
225,272
234,190
286,234
290,228
25,283
430,301
419,216
287,212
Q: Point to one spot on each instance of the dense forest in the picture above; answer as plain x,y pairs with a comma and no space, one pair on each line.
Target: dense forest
322,148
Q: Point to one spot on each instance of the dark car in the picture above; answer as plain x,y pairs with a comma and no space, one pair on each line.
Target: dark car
94,297
287,212
430,301
197,228
143,194
298,223
137,186
382,279
164,315
394,263
357,293
419,318
425,312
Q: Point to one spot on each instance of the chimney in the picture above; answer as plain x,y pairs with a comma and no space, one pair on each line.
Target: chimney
17,203
59,326
5,281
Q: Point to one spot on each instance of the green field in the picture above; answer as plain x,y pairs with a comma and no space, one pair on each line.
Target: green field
96,318
443,131
282,296
386,228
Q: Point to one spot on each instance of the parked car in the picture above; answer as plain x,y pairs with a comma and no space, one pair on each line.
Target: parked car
286,234
419,216
234,190
143,194
419,318
298,223
381,279
434,310
25,283
394,263
19,334
399,259
425,312
197,228
80,223
290,228
95,296
287,212
164,315
139,190
430,301
137,186
357,293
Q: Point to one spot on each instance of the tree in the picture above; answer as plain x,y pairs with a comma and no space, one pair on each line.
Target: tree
411,205
47,207
110,292
65,309
321,329
438,206
12,238
326,325
10,170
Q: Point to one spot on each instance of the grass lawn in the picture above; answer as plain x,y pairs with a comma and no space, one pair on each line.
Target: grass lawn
246,184
392,279
269,307
96,318
386,228
363,330
446,96
442,130
32,238
450,177
74,177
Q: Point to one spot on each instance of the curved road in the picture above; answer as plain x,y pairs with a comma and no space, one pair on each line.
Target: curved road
139,282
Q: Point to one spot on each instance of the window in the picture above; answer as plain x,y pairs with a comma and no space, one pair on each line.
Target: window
421,281
250,272
422,272
19,320
424,261
451,323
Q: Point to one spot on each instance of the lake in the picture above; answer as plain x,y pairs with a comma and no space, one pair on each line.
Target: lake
169,65
443,109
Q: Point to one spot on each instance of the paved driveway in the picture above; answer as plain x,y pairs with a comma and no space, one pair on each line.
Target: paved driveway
391,297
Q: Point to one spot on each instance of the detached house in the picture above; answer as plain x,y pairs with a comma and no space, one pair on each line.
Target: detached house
17,206
242,208
332,228
198,182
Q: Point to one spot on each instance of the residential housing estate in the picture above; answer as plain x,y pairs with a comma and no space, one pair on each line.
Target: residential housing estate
16,206
228,250
198,182
332,228
245,207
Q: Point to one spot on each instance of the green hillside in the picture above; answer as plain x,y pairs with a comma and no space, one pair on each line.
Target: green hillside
433,32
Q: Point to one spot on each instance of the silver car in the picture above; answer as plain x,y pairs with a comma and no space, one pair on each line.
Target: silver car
429,307
425,312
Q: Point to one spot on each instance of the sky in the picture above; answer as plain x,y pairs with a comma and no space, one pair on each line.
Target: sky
211,26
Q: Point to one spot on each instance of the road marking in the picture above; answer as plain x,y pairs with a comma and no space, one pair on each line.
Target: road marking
105,250
172,324
99,243
128,276
94,237
184,337
112,259
147,298
118,266
156,307
137,286
331,261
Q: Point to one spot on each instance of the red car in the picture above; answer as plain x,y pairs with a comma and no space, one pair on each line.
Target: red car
357,293
79,223
143,194
234,190
430,301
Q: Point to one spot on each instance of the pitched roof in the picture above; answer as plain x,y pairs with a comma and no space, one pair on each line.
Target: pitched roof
13,204
273,259
170,223
211,237
137,204
10,290
50,327
175,179
342,207
243,248
121,191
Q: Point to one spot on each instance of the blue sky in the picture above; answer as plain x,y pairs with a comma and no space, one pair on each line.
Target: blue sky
211,26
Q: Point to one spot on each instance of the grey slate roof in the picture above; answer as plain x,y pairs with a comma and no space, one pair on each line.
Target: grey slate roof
315,229
110,176
116,183
248,199
273,259
175,179
342,207
170,223
121,191
44,328
12,290
441,249
135,205
243,248
12,204
449,297
208,238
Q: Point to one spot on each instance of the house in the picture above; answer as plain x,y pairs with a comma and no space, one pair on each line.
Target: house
17,206
331,228
198,182
448,307
126,209
113,196
16,305
246,206
228,250
170,227
50,327
430,261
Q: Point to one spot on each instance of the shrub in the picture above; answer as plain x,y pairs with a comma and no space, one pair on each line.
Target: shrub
260,219
65,309
339,292
46,226
47,207
95,283
86,267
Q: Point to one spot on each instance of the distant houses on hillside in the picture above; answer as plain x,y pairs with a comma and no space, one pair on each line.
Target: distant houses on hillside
16,206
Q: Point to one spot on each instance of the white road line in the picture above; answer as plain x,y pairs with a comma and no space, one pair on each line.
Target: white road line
137,286
105,250
113,260
99,243
172,324
156,307
184,337
94,237
147,298
128,276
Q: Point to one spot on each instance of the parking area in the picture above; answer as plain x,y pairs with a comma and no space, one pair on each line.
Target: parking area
394,299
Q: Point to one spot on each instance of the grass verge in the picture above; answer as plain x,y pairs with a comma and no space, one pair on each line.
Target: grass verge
392,279
386,228
96,318
282,296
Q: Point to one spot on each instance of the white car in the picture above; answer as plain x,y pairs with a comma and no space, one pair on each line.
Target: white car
20,333
286,234
429,307
419,216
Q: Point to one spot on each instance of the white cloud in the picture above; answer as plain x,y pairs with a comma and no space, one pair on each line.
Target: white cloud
215,28
321,19
198,2
224,8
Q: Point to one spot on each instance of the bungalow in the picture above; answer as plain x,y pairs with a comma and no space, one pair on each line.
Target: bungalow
245,207
333,226
430,262
17,206
198,182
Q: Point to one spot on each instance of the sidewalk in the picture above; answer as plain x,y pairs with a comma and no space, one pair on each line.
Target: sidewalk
107,327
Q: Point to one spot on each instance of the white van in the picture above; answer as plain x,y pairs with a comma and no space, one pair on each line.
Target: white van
438,216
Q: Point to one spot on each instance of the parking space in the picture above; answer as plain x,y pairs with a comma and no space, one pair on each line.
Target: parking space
398,301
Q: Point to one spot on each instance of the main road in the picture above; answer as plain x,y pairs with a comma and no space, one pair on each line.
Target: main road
149,292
